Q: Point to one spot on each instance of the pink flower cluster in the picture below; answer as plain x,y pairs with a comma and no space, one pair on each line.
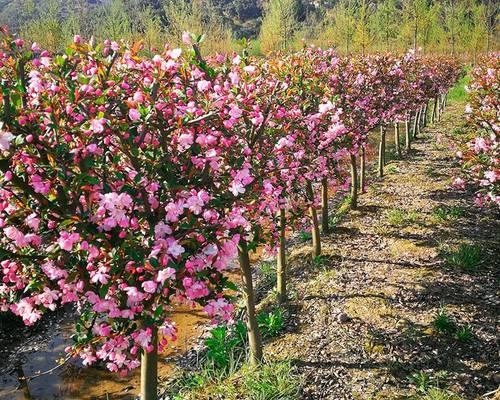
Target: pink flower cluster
480,156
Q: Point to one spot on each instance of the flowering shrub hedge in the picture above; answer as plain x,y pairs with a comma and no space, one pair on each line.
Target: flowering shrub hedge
128,183
480,157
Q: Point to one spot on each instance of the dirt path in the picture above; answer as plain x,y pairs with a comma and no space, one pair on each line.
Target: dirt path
365,324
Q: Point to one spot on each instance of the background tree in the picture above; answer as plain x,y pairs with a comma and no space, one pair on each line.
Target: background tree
414,12
362,28
115,23
385,23
343,17
279,25
200,18
47,27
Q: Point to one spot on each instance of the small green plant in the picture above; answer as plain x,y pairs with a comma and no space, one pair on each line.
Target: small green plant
318,261
267,274
391,169
464,334
467,257
271,381
435,393
443,323
305,236
443,213
342,211
421,380
428,385
272,323
222,344
398,217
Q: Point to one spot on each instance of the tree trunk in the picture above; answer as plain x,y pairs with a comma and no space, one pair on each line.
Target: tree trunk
354,183
149,369
324,206
362,167
439,110
316,239
381,150
407,134
419,119
396,139
426,107
415,125
281,267
434,111
254,338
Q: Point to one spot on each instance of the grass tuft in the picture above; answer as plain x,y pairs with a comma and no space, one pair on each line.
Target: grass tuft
467,257
443,213
464,334
443,323
271,381
398,217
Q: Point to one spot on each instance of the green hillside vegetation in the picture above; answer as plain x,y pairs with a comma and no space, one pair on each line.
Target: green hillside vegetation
467,27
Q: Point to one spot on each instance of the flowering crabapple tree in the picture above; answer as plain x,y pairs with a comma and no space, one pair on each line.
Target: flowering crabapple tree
109,195
480,156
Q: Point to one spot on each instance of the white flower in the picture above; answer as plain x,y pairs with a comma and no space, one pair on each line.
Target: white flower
5,139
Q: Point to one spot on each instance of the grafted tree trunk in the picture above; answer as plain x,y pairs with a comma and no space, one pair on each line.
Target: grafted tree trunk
415,125
316,239
254,338
281,267
407,134
149,369
324,206
439,107
435,110
419,122
362,167
354,183
396,138
381,150
423,119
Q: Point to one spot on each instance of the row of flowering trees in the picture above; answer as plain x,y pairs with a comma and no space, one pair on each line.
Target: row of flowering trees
480,157
130,183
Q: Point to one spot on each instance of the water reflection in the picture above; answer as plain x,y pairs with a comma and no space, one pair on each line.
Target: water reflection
72,381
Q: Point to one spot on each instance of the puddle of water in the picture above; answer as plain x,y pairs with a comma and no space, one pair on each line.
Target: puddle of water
72,381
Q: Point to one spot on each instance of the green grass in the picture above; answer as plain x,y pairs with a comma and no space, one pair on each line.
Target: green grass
267,276
305,236
271,381
464,334
457,93
430,387
467,257
398,217
341,212
435,393
443,213
443,323
391,169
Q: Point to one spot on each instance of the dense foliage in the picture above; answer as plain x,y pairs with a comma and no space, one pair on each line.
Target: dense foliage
480,157
129,183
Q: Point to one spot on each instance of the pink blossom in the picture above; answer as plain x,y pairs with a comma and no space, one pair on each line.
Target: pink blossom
134,115
67,240
165,274
149,286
